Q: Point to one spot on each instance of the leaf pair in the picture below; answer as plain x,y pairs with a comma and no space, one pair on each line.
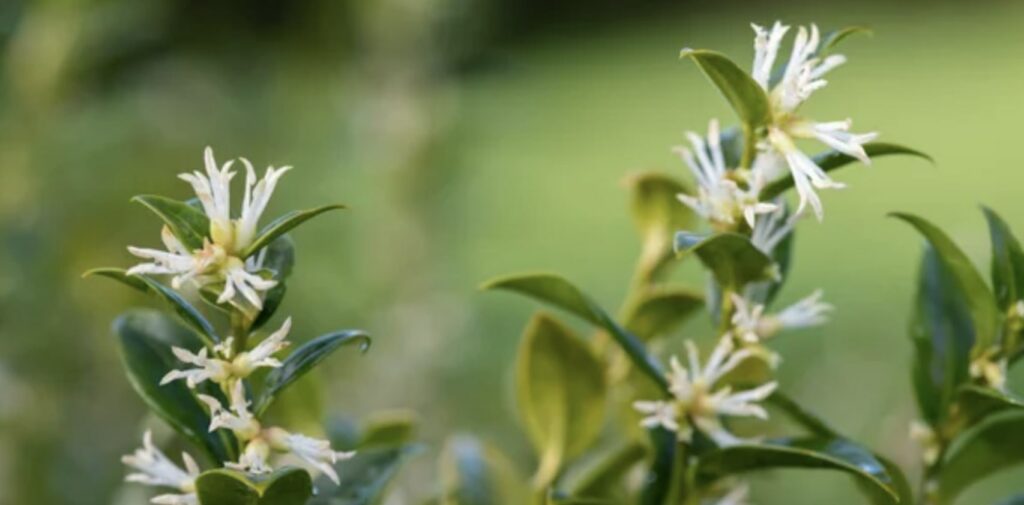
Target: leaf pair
287,486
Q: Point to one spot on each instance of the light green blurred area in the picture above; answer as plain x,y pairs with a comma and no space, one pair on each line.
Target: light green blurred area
454,176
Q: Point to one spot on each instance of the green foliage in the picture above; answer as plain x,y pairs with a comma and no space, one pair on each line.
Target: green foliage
286,486
561,407
831,39
990,446
185,221
303,359
657,214
1007,261
741,91
561,293
181,307
660,310
985,315
813,452
146,338
282,225
832,160
603,477
733,260
365,477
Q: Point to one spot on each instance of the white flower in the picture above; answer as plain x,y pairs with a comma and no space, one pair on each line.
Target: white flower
313,451
698,401
752,325
989,369
225,366
801,77
658,414
771,230
720,199
220,258
155,469
255,457
238,419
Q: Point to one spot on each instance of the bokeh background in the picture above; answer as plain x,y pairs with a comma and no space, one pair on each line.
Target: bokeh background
470,138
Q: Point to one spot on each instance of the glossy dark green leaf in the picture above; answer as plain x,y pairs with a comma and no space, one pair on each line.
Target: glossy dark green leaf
279,259
985,314
282,225
473,473
287,486
604,475
364,478
899,484
561,393
181,307
978,402
990,446
1007,261
943,334
737,86
668,453
304,358
555,290
658,311
832,160
657,214
811,453
732,259
146,338
186,222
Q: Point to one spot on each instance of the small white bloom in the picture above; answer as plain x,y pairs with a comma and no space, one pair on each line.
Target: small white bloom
225,366
720,199
255,457
698,401
990,369
658,414
801,77
238,419
771,230
316,452
752,325
219,260
153,468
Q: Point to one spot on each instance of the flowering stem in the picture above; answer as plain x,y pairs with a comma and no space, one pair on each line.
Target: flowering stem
240,331
749,147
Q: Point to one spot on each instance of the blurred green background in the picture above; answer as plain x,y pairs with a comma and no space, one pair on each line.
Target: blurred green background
471,138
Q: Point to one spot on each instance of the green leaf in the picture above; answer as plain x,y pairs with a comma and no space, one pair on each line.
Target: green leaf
978,402
657,214
287,486
733,260
660,310
942,334
741,91
995,444
364,478
1013,500
473,473
668,456
181,307
834,37
985,315
561,394
605,474
280,259
282,225
146,338
303,359
1007,261
186,222
900,485
557,291
831,160
811,453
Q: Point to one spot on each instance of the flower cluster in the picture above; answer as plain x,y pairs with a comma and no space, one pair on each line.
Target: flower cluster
219,372
222,257
728,194
699,401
